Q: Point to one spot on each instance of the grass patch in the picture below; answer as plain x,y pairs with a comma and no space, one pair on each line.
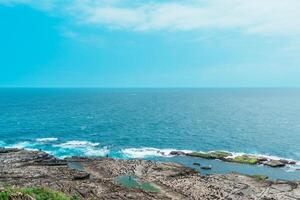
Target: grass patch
33,193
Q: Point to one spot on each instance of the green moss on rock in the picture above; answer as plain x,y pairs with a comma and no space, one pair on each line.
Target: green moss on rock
210,155
244,159
200,155
220,154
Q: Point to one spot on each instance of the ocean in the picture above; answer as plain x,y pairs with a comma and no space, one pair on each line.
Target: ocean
143,123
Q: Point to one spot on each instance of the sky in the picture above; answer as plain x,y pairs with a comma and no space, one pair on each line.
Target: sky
149,43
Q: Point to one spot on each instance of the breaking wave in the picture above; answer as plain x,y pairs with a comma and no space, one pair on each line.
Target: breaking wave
146,152
50,139
77,144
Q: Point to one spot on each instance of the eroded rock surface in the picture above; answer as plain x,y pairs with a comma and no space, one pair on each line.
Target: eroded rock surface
95,178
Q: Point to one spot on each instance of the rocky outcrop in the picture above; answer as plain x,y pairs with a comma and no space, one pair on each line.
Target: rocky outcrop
274,163
243,159
95,178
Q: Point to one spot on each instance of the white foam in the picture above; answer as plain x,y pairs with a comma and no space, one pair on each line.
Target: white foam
23,145
76,144
20,145
149,152
96,152
50,139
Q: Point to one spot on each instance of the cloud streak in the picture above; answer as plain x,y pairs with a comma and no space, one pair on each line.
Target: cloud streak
264,17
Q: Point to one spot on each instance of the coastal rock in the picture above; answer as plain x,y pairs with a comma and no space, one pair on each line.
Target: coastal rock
274,163
262,159
206,167
197,164
243,159
96,179
8,150
288,162
177,153
221,155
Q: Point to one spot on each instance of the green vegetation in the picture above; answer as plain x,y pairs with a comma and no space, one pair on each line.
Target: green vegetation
33,193
211,155
220,154
130,182
244,159
260,177
201,155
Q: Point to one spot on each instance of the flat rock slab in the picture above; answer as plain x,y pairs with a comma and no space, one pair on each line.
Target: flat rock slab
96,179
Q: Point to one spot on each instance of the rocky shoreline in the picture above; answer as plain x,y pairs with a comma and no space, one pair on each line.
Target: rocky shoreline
243,159
97,178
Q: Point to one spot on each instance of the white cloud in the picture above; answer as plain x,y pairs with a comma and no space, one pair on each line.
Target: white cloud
266,17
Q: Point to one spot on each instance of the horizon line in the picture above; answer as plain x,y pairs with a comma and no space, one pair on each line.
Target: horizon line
177,87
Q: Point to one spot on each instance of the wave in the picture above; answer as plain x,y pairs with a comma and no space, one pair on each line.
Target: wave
23,145
76,144
50,139
87,148
146,152
96,152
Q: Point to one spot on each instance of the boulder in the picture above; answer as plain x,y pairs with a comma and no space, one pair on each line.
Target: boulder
288,162
274,163
262,159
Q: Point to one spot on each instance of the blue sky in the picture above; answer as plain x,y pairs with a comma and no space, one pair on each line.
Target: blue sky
158,43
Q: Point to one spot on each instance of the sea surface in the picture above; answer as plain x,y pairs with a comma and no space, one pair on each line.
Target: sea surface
149,123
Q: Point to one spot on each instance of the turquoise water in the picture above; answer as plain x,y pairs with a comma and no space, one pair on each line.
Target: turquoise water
146,123
131,182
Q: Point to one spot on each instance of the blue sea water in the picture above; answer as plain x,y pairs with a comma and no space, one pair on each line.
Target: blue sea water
143,123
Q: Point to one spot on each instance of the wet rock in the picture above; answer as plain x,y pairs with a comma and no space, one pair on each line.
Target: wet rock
197,164
262,159
8,150
206,167
177,153
287,162
274,163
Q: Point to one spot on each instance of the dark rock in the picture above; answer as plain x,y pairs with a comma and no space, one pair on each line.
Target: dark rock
206,167
8,150
177,153
262,159
197,164
288,162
